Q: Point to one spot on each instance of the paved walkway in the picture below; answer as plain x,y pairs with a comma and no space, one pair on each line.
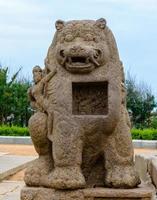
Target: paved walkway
10,190
13,159
11,164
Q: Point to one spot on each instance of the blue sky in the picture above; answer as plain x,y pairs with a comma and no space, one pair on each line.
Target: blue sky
27,28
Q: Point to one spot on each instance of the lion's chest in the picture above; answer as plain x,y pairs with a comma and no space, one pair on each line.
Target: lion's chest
81,96
89,99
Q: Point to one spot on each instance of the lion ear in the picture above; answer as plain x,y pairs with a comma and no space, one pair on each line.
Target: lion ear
101,23
59,25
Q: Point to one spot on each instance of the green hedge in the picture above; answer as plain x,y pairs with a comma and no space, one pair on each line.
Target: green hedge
13,131
145,134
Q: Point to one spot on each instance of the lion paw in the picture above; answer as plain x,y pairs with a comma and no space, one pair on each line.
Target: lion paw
122,177
36,174
67,178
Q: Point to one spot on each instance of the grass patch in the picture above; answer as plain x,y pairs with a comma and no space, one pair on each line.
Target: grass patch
145,134
13,131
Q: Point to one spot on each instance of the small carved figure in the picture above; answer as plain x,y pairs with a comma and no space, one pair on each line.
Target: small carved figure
38,94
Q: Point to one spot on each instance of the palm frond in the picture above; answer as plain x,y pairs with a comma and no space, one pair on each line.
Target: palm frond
14,76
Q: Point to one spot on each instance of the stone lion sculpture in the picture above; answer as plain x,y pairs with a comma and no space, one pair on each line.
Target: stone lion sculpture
89,142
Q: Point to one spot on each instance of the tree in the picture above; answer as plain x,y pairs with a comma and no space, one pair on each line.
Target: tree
14,105
5,92
140,101
20,106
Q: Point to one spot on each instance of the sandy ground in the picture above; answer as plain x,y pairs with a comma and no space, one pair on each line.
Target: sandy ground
23,150
146,151
18,176
28,150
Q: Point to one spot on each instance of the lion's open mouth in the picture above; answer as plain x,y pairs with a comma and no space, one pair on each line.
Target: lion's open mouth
79,62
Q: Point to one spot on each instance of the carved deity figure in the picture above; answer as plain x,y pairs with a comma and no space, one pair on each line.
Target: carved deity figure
81,129
38,92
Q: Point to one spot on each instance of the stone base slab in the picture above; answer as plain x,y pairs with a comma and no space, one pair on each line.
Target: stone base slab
141,193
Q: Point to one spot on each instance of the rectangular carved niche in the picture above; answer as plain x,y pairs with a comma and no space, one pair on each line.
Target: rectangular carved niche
90,98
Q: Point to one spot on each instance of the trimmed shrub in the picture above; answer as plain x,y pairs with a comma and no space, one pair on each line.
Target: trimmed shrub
145,134
13,131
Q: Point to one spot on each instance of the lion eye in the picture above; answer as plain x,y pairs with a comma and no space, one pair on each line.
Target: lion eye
68,38
89,37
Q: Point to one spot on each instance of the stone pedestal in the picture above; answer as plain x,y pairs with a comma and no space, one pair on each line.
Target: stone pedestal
141,193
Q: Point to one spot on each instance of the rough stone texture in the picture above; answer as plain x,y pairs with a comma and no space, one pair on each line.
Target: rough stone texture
146,166
141,193
142,165
81,128
153,171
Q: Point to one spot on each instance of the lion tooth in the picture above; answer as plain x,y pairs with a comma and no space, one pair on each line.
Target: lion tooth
87,60
64,60
69,60
95,62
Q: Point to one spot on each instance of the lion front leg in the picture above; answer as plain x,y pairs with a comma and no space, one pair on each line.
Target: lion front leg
67,154
119,165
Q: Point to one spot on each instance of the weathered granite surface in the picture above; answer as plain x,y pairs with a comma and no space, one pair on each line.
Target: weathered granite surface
81,128
153,171
141,193
146,165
